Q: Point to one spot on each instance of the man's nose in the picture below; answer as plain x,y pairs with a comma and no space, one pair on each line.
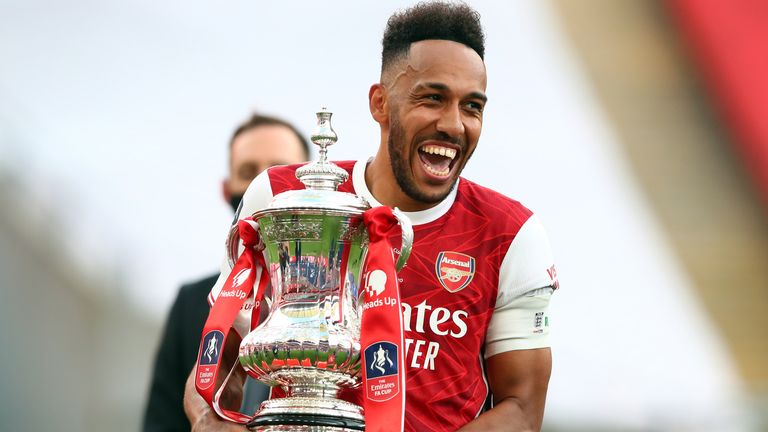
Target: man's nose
450,121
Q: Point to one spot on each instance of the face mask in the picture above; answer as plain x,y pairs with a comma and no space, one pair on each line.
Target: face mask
234,201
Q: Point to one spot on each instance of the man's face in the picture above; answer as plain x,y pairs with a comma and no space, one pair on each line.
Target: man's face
436,103
257,149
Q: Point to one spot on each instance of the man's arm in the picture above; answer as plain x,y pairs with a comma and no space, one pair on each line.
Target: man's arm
518,358
519,381
200,415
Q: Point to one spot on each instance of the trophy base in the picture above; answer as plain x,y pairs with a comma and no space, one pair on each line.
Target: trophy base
304,423
307,414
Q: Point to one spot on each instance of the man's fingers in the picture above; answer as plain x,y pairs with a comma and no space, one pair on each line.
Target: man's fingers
210,422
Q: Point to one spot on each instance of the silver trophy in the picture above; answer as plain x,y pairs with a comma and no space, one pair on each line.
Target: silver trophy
309,344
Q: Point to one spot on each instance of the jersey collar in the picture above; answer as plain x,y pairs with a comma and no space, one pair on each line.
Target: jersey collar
418,217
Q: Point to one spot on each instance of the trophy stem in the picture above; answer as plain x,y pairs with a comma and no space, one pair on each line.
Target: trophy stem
312,390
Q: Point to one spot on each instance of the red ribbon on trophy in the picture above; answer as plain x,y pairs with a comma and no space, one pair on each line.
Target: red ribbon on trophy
381,334
236,291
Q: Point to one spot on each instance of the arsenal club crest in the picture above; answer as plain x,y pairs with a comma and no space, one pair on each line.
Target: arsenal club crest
454,270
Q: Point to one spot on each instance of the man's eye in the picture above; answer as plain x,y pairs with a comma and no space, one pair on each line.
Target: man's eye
475,106
248,171
434,97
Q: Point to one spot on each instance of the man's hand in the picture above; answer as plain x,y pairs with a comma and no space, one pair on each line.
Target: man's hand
212,423
201,416
519,381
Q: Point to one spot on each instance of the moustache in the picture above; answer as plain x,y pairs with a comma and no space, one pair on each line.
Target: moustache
442,136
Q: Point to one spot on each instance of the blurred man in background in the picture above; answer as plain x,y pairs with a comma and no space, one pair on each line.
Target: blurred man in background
257,144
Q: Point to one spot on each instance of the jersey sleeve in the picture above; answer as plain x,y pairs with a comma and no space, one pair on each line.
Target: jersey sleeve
527,279
256,197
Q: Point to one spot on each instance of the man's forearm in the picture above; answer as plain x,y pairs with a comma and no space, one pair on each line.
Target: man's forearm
508,415
201,416
195,407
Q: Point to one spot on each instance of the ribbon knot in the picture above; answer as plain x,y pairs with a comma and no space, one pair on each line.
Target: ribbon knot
379,221
249,235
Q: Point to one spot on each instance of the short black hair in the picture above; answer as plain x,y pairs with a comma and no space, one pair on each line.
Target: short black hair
431,20
257,120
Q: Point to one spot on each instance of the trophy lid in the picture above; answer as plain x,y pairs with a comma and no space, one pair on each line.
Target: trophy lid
321,179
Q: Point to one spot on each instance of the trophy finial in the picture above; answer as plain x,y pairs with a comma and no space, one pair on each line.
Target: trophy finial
322,174
324,136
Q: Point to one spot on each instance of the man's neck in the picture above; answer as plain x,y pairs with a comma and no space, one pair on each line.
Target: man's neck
381,182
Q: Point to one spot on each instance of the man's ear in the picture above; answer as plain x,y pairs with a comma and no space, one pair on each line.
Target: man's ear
377,102
225,192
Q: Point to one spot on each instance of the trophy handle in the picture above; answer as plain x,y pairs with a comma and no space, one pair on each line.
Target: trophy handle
233,245
407,241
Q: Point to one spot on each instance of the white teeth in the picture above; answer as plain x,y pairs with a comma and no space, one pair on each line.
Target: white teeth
442,151
442,173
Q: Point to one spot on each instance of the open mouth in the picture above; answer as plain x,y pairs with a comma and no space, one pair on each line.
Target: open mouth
438,160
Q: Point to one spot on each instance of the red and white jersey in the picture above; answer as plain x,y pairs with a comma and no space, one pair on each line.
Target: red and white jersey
477,284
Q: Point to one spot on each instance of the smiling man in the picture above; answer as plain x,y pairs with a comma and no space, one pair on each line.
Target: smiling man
476,290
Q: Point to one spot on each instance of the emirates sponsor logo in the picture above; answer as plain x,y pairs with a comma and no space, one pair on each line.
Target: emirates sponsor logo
421,352
454,270
439,320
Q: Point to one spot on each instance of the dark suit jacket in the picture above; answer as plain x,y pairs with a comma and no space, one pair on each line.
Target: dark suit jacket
175,357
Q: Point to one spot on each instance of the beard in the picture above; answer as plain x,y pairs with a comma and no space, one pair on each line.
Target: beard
401,167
